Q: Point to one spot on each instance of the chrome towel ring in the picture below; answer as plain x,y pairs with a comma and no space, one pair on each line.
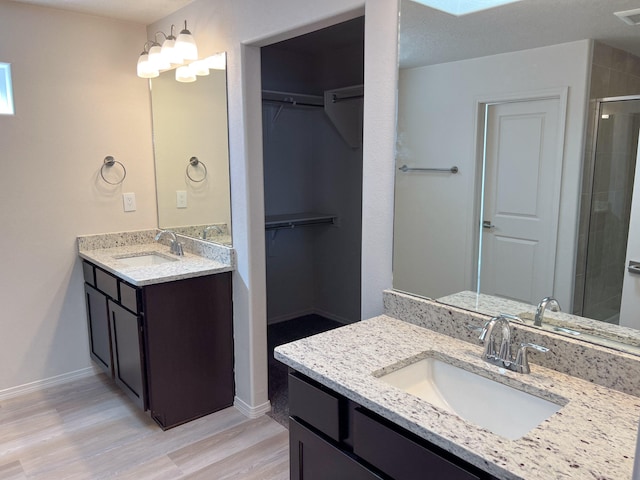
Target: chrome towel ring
194,162
109,162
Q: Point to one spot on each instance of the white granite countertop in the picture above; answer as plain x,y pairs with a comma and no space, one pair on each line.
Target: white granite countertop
186,266
591,437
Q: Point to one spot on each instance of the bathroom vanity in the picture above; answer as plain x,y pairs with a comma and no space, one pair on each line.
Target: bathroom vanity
161,327
347,418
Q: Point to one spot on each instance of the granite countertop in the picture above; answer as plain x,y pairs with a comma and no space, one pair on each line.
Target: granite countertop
104,250
592,436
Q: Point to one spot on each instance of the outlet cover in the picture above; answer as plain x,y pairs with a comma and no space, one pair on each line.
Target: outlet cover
181,199
129,201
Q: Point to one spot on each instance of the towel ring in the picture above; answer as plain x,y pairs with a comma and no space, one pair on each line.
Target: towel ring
109,162
194,162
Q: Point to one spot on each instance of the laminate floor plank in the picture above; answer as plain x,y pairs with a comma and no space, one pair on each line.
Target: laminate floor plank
88,430
269,455
12,471
218,447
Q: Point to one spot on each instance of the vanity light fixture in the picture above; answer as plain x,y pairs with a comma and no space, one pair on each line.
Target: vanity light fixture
185,74
173,51
463,7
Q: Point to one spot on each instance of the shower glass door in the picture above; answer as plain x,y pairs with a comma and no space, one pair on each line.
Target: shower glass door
612,189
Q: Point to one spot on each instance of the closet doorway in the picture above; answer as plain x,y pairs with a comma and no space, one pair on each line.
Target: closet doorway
312,111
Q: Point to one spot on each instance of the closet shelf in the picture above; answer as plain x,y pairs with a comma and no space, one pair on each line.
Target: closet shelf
293,220
294,99
339,105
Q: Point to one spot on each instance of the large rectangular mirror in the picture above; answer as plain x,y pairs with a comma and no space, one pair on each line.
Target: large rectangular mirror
533,104
190,138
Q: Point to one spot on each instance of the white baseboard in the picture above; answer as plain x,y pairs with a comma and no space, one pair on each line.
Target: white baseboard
290,316
249,411
47,383
333,317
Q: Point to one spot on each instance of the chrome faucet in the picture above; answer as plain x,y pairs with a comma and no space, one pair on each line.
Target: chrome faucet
211,227
550,302
502,356
174,247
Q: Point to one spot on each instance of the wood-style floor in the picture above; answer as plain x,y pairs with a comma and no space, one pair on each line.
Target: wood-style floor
87,429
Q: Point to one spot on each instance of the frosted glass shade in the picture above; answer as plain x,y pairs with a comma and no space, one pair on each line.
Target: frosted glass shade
185,75
156,59
186,46
199,68
145,69
169,51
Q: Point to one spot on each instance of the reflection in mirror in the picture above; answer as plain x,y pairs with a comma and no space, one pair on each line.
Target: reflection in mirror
542,200
190,138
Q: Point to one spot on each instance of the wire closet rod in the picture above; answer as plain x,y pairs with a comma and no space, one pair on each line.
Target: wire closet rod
335,98
292,102
404,168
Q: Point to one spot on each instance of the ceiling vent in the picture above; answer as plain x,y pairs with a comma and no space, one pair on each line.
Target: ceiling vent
630,17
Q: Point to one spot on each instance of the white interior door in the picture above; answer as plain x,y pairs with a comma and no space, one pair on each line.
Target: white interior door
523,165
630,307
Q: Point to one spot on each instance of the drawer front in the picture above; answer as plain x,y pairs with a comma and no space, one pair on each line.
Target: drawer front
398,456
317,407
129,297
88,272
107,283
314,458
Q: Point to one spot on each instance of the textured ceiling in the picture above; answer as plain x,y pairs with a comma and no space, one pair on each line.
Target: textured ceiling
429,36
139,11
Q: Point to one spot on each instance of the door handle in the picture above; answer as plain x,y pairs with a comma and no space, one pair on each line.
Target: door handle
488,225
634,267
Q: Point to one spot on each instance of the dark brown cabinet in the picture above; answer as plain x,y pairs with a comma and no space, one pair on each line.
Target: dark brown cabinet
333,437
127,349
169,346
98,326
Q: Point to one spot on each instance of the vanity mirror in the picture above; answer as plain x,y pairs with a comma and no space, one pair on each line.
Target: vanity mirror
510,96
190,138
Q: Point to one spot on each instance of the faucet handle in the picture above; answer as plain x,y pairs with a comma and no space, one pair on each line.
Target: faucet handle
521,364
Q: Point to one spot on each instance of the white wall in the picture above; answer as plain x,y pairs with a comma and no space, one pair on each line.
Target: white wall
437,118
77,100
240,28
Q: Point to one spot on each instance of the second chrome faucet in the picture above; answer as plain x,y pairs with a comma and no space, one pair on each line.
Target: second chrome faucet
175,247
502,356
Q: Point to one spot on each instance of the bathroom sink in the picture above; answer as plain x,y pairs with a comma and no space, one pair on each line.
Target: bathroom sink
501,409
145,259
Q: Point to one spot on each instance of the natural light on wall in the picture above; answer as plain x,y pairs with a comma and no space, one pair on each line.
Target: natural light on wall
6,94
463,7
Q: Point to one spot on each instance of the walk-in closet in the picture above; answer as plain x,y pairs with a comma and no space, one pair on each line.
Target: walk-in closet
312,101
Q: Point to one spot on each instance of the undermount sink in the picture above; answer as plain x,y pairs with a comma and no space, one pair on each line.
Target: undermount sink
501,409
145,259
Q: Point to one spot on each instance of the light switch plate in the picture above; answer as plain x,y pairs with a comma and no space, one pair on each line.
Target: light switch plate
129,201
181,199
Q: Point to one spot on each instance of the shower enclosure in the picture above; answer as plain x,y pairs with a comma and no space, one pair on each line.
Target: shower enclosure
614,163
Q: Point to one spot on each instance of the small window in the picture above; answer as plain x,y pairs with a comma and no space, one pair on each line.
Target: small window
6,93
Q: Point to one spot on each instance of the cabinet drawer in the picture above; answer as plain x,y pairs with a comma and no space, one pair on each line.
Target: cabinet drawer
316,406
88,272
107,283
314,458
129,297
398,456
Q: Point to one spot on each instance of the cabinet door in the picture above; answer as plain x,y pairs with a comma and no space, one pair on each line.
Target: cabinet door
98,326
126,341
314,458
